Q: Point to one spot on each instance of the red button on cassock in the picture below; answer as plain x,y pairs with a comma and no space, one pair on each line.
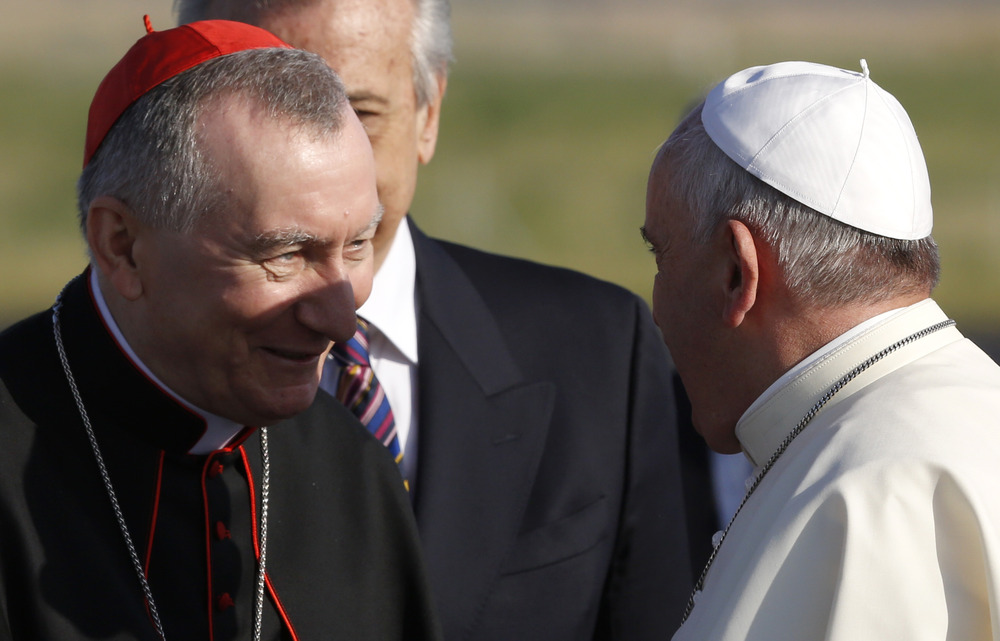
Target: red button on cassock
223,602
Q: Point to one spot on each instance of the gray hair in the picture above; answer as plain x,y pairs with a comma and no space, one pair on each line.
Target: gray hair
151,159
430,37
823,261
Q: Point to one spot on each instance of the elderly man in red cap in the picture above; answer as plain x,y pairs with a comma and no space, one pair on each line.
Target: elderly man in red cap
154,482
790,217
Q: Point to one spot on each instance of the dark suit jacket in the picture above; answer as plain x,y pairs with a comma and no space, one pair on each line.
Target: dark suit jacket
343,560
547,493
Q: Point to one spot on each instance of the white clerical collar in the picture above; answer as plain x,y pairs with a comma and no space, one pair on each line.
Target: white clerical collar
391,308
219,431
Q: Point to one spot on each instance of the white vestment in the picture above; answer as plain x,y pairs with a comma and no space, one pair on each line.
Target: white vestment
881,519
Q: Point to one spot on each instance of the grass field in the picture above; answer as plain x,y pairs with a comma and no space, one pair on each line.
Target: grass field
550,123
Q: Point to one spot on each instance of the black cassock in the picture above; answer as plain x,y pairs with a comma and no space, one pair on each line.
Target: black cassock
343,560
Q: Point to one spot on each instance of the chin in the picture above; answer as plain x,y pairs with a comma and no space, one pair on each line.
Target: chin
283,406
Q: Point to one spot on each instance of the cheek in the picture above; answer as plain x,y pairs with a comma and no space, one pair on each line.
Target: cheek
672,311
387,181
249,307
391,157
661,301
395,170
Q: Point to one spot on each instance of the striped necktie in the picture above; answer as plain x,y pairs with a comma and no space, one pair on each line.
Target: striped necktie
360,391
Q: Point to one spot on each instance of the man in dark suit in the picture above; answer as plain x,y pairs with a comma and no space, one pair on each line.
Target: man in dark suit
535,404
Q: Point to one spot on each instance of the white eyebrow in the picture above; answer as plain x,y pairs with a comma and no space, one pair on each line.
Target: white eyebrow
377,217
282,238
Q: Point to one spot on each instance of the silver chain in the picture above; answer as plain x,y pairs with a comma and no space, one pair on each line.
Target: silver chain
265,486
119,515
813,411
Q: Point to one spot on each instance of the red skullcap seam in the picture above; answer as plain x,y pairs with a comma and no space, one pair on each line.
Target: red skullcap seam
159,56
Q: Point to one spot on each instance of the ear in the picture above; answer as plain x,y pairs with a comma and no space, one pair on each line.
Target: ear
428,118
744,273
111,236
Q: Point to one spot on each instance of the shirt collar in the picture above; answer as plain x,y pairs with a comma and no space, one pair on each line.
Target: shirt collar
219,431
391,308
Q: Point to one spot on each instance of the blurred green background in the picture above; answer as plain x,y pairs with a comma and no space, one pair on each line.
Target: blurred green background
553,115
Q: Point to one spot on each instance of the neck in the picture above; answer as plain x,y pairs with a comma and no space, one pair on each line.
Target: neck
770,345
805,330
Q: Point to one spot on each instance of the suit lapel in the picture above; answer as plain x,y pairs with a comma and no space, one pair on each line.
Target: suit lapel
482,429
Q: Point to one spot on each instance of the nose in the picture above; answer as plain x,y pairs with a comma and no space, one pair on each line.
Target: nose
328,309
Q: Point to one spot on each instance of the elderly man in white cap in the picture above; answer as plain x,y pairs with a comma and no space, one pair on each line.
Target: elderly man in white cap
790,218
